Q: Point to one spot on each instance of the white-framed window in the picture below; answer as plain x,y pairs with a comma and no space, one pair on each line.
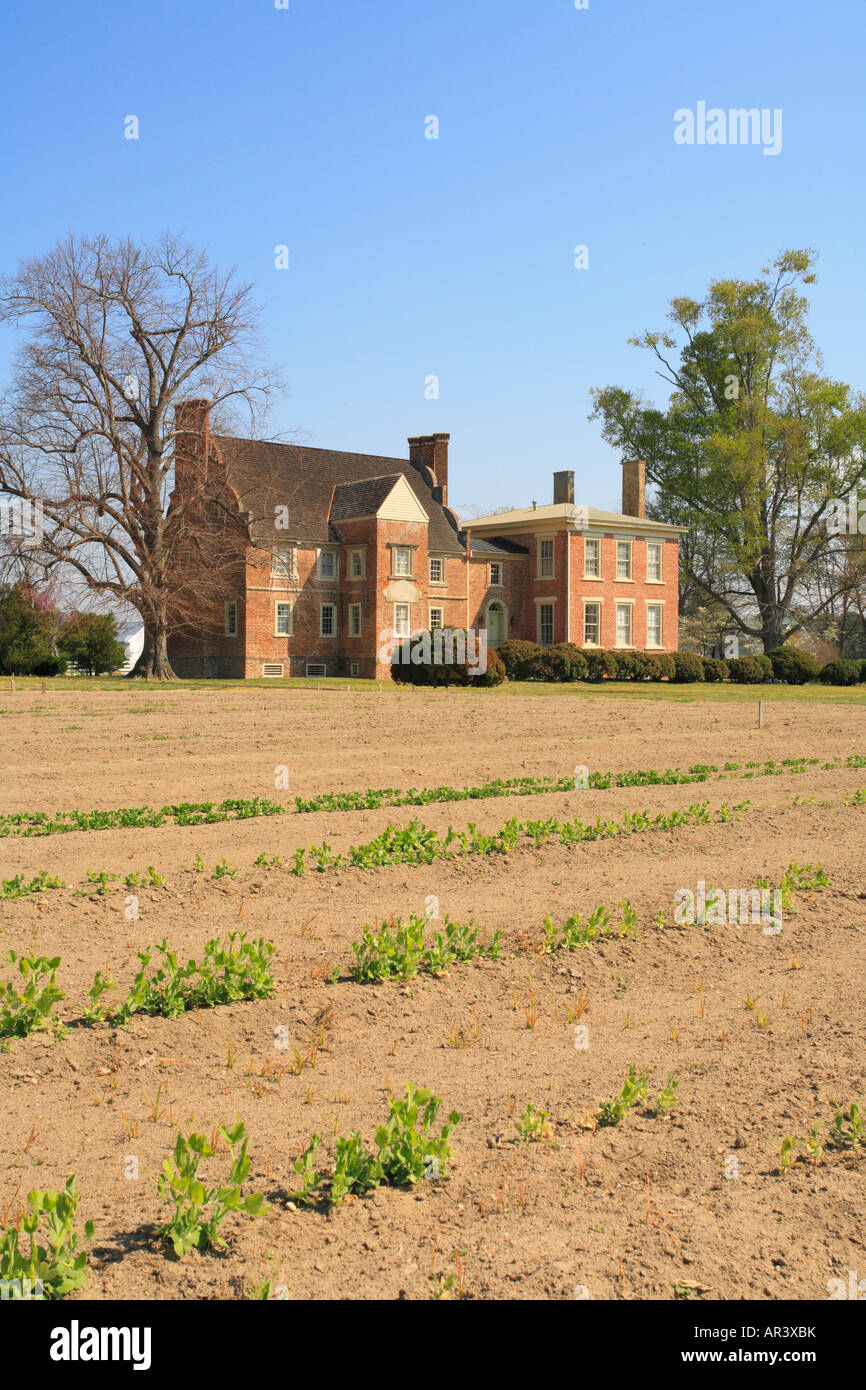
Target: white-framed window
623,625
354,620
327,566
401,559
355,668
356,564
545,624
401,619
437,571
437,618
495,571
545,559
592,558
654,561
231,618
283,620
623,559
283,563
654,625
328,620
272,668
592,624
316,668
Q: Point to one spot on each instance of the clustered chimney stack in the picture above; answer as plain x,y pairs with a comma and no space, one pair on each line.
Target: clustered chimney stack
431,451
634,487
563,487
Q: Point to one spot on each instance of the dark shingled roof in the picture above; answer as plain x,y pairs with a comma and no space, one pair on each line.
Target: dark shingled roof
363,498
495,545
267,475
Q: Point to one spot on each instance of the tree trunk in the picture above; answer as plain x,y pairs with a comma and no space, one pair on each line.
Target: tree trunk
153,664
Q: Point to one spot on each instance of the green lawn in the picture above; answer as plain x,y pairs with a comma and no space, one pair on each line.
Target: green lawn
626,690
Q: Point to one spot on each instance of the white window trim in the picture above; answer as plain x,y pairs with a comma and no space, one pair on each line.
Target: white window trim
291,572
281,603
272,675
435,608
661,550
440,561
549,603
597,602
356,550
349,632
495,583
545,540
408,631
593,578
327,550
231,603
624,646
660,604
322,607
617,577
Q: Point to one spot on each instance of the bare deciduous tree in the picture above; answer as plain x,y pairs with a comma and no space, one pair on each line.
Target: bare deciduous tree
117,336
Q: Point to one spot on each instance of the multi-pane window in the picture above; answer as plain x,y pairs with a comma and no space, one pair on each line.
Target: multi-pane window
231,618
591,624
623,559
654,560
654,625
327,564
545,624
436,618
356,564
402,560
401,619
328,620
437,574
592,558
495,572
283,563
623,624
283,624
545,559
354,620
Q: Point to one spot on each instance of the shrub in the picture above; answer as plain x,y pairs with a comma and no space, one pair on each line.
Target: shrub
625,666
863,670
517,658
417,662
714,670
50,666
687,667
666,665
90,641
600,666
793,666
841,673
566,662
750,670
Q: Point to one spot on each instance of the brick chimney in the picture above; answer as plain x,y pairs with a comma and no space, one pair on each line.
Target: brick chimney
191,442
634,487
431,451
563,487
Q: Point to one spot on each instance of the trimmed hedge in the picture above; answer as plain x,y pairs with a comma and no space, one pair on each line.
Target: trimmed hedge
793,666
751,670
517,657
411,671
688,667
842,672
715,670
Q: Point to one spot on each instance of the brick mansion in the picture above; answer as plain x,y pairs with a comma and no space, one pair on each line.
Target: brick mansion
357,546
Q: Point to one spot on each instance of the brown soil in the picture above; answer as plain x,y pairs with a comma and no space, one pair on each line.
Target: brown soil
627,1212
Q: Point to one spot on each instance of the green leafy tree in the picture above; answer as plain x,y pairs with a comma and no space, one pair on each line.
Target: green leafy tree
754,445
25,631
91,643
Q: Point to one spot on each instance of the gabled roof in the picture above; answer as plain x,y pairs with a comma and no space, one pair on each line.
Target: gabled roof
363,498
495,545
267,475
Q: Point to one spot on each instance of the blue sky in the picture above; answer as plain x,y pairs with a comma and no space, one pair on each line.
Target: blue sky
452,257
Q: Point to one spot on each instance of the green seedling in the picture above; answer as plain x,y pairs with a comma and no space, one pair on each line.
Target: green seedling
48,1270
533,1125
28,1010
198,1211
634,1091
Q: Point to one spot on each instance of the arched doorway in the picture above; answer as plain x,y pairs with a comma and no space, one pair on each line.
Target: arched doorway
497,623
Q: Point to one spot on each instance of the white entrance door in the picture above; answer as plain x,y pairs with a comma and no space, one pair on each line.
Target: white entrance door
496,632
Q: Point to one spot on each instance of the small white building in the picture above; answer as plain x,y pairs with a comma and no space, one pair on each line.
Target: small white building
131,635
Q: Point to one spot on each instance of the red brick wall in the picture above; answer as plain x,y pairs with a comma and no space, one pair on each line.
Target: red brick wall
639,590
